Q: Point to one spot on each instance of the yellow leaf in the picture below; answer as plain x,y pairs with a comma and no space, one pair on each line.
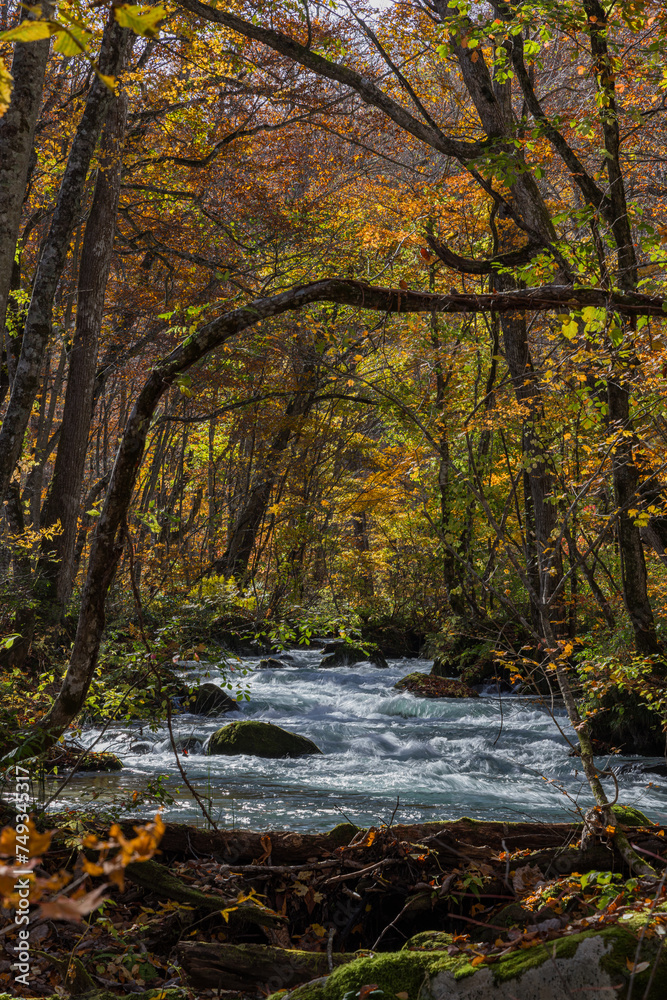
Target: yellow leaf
72,42
6,82
110,81
403,995
29,31
142,20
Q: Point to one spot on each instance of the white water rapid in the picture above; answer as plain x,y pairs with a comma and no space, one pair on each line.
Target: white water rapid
441,758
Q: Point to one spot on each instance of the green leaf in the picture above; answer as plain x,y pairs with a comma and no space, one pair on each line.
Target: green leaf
72,42
140,19
29,31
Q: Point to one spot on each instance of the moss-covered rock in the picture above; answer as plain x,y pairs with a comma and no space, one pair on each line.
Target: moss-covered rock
429,686
342,654
343,833
630,816
429,941
558,970
210,699
260,739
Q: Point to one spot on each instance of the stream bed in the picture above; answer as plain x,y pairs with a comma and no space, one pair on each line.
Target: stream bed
484,757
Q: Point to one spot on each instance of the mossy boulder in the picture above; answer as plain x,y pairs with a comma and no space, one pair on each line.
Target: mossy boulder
428,686
342,654
343,833
259,739
270,663
210,699
630,816
576,965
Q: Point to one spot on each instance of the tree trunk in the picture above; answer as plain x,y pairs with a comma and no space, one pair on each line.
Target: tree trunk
241,540
17,133
633,564
64,496
68,206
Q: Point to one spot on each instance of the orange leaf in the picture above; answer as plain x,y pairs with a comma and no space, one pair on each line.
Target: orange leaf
72,909
478,960
403,284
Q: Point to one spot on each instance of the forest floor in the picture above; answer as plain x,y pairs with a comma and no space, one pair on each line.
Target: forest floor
244,915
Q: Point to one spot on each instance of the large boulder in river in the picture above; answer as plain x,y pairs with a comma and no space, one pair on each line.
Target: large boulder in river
342,654
210,699
259,739
428,686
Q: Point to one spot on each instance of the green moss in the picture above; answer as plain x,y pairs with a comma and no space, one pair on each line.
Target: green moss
260,739
343,833
428,941
624,950
630,816
394,972
311,991
519,962
622,945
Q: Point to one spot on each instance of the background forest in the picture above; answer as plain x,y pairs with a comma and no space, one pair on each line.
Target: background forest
336,322
364,304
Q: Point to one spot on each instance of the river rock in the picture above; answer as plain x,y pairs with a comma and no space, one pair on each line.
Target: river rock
210,699
259,739
592,963
341,654
270,663
428,686
142,747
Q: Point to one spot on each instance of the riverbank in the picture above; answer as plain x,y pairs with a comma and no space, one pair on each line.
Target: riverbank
241,914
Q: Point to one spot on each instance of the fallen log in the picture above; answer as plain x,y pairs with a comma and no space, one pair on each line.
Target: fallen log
241,847
158,880
238,966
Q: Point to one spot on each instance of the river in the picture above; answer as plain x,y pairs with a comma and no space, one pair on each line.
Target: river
440,759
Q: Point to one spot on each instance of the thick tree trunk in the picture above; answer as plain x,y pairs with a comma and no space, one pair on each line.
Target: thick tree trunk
633,564
68,206
64,496
17,133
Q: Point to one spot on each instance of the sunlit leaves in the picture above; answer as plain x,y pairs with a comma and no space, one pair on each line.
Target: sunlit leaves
6,84
141,19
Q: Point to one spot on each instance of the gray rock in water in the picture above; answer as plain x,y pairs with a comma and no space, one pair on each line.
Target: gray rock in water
144,747
270,663
209,699
259,739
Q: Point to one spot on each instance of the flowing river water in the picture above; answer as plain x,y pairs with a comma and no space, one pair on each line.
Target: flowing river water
441,759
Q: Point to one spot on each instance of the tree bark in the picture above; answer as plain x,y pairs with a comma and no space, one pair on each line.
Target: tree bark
68,206
63,501
17,133
241,540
